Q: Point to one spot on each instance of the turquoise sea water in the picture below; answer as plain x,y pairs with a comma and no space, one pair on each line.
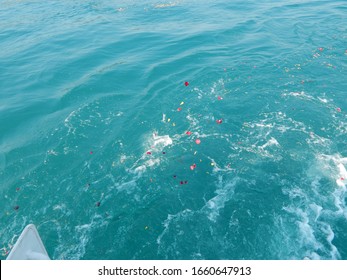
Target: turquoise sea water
94,116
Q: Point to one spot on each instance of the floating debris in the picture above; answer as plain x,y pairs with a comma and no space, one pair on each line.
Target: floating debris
338,109
16,207
189,133
186,84
192,167
179,109
219,121
198,141
97,204
148,153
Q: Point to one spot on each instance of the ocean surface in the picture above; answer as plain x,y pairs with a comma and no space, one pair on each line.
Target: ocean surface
175,130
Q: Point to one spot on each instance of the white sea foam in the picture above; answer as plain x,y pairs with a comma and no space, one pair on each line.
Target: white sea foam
296,93
126,186
299,94
166,5
59,207
154,144
333,167
315,139
334,253
323,100
224,193
307,242
317,207
199,92
217,167
169,224
140,169
271,142
161,141
123,158
67,122
194,121
80,235
342,174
